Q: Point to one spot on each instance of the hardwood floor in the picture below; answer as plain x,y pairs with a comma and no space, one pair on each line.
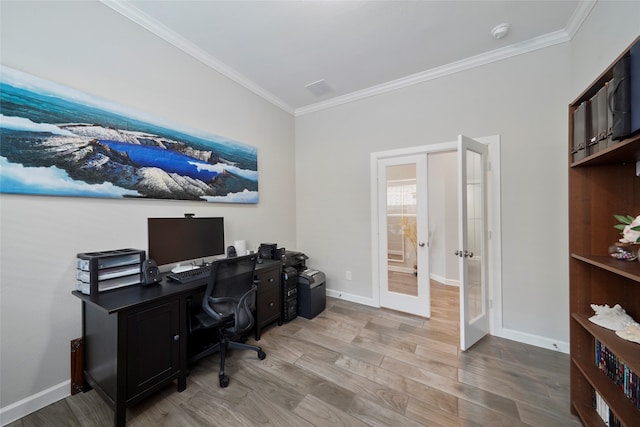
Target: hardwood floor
355,365
404,283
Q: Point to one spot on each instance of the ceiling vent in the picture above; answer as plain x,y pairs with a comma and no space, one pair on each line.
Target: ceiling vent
319,88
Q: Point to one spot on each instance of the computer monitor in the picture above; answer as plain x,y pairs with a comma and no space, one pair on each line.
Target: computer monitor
177,240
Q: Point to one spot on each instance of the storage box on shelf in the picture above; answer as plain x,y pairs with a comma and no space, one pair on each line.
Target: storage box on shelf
102,271
601,184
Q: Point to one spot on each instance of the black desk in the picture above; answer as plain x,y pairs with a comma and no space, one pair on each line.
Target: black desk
135,338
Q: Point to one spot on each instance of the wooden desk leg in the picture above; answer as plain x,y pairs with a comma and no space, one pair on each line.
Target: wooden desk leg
120,416
182,383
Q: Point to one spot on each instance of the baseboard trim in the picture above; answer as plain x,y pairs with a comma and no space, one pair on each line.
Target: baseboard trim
400,269
30,404
444,280
531,339
351,298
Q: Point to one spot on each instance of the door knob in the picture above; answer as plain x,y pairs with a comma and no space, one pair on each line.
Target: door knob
458,253
421,244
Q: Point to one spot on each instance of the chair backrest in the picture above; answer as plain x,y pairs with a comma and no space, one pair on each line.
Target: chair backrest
231,286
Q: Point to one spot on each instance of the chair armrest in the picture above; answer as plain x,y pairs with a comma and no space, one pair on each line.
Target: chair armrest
220,300
220,308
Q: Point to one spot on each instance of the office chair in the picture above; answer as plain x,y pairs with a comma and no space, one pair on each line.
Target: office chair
227,307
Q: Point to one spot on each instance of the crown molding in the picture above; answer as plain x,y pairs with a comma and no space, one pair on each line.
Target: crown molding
575,22
131,12
579,16
536,43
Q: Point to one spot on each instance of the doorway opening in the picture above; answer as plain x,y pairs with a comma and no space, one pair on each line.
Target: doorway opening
411,245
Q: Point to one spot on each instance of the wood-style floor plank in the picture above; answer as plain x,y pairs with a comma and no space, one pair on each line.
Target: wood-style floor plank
355,365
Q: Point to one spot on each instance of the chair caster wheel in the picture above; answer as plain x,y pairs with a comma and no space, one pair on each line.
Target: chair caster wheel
261,355
224,380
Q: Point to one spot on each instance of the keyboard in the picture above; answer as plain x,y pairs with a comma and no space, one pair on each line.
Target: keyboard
191,275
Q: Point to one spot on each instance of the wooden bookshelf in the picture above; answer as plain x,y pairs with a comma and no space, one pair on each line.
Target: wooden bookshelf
601,185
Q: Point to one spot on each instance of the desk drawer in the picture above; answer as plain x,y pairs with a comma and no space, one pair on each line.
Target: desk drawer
268,298
268,280
268,305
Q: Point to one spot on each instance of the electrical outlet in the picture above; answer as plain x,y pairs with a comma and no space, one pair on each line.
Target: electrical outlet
348,275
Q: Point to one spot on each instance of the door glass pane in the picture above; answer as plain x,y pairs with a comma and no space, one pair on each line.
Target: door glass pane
474,234
401,229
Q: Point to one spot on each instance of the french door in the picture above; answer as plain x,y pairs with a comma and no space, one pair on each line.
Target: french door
472,249
400,203
403,231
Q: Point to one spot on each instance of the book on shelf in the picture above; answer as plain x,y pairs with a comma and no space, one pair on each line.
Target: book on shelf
604,412
581,131
618,371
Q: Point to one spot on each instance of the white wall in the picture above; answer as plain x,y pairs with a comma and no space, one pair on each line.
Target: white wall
88,46
443,216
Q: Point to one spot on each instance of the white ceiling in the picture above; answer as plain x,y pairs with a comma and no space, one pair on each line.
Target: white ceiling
359,48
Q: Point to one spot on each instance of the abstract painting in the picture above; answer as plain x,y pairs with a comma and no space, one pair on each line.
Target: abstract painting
55,140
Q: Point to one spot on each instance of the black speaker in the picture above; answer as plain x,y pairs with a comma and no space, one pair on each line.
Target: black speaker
150,272
231,252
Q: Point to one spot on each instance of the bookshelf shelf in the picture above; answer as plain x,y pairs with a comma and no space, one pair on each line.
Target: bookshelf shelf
589,416
627,151
630,270
601,184
625,350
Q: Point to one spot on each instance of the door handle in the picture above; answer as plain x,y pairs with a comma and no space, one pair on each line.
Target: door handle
464,254
421,244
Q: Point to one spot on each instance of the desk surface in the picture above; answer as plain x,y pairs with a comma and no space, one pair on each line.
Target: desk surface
131,296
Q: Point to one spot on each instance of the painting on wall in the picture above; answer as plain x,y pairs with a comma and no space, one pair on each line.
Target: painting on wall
59,141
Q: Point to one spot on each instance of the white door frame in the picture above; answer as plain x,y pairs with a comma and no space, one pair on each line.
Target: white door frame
495,235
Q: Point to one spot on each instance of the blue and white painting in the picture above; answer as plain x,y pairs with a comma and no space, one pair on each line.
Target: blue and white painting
59,141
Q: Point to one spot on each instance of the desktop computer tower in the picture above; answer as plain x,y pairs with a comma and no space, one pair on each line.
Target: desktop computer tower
289,294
